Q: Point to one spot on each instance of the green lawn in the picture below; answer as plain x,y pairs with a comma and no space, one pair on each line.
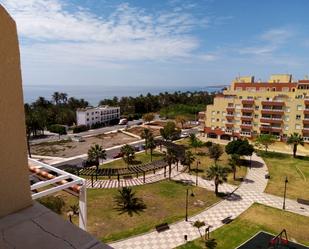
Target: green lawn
206,162
165,203
140,158
257,218
296,169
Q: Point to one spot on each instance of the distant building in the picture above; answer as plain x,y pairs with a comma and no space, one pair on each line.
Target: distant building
247,108
97,115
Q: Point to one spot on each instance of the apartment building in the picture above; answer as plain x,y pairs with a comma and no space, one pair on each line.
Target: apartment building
94,115
249,108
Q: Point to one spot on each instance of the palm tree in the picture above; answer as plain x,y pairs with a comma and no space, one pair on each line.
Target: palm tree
233,164
128,153
63,97
146,134
151,145
73,211
189,159
95,153
295,139
198,224
215,151
170,158
218,174
127,202
56,97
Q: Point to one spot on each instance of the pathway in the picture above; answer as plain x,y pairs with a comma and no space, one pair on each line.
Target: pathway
250,191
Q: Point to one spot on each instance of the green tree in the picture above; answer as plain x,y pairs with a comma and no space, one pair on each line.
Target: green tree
192,139
189,159
56,97
127,202
128,154
146,134
265,140
199,224
215,152
239,147
151,145
59,129
181,119
170,158
169,131
295,139
95,153
218,174
73,211
211,243
233,164
148,117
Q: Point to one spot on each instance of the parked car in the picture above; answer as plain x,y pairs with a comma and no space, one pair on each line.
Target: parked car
118,155
184,135
123,121
78,139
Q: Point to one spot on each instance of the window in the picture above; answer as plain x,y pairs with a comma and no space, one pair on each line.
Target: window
238,106
213,120
87,119
299,107
238,114
297,126
213,113
256,116
218,120
257,107
87,114
287,118
298,117
287,109
218,112
240,97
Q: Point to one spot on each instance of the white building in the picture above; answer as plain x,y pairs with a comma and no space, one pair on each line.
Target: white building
94,115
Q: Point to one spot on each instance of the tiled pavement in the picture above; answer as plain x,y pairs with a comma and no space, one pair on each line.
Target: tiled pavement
250,191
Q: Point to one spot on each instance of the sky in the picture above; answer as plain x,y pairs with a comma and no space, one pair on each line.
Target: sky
159,43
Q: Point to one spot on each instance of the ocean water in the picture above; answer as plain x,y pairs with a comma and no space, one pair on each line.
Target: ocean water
93,94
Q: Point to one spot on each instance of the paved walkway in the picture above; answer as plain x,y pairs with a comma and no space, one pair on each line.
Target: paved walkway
250,191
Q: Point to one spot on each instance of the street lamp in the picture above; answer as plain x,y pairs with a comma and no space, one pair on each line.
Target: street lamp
197,164
187,202
285,183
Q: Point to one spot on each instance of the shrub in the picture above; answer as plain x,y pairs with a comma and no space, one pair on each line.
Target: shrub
54,203
208,144
59,129
80,128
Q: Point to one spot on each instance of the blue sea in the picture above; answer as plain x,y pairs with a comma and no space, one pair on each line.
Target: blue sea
94,93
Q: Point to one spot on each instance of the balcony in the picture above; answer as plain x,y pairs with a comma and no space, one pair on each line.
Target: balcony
273,102
246,126
229,124
273,111
271,128
228,131
230,108
306,101
229,116
245,133
306,130
246,118
306,111
306,121
271,120
247,109
247,101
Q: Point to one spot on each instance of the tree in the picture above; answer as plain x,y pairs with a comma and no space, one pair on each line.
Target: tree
151,145
192,139
170,158
127,202
265,140
239,147
198,224
189,159
195,142
181,119
233,164
95,153
59,129
218,174
128,154
146,134
169,131
211,243
73,211
295,139
56,97
215,152
148,117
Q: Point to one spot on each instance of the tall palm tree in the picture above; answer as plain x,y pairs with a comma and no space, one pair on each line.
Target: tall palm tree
128,153
127,202
233,164
218,174
95,153
151,145
146,134
189,159
56,97
295,139
170,158
63,97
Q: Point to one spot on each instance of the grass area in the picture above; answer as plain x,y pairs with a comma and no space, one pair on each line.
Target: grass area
296,169
206,162
186,110
257,218
140,158
165,203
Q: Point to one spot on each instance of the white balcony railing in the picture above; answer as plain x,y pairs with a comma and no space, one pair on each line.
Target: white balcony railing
246,134
274,110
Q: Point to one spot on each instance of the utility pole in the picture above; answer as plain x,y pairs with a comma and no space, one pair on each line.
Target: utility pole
285,183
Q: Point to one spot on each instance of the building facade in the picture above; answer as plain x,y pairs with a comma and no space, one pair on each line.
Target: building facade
247,108
97,115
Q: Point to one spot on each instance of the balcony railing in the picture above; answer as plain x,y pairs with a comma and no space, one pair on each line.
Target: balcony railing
247,101
246,117
273,102
270,128
270,111
228,131
230,108
271,120
245,134
249,109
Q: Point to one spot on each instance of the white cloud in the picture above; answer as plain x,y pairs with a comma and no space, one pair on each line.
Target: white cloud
48,29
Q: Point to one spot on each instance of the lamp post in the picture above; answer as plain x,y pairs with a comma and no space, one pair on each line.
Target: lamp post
285,183
187,202
197,164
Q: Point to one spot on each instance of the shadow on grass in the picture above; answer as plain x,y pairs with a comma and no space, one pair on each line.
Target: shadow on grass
185,182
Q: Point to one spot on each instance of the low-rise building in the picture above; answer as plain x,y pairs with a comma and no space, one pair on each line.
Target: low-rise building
247,108
97,115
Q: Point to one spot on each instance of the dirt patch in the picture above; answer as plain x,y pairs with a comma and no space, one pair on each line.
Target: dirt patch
138,131
72,148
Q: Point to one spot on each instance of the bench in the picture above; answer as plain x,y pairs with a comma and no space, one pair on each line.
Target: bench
162,227
227,220
303,201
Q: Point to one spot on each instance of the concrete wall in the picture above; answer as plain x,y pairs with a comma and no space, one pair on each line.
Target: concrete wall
14,180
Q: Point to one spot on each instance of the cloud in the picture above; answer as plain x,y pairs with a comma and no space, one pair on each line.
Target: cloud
51,29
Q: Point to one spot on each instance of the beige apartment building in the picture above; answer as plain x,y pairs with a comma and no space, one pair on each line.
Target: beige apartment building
249,108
